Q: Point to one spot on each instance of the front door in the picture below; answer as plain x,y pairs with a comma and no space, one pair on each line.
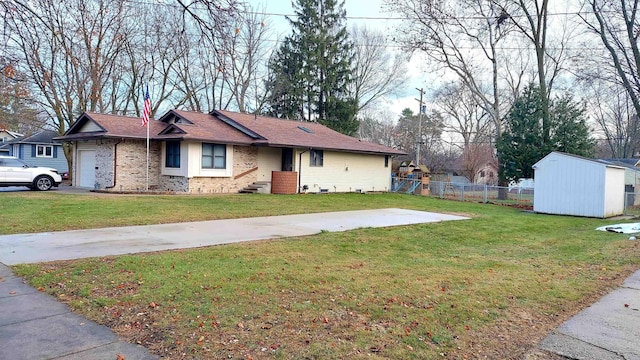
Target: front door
287,159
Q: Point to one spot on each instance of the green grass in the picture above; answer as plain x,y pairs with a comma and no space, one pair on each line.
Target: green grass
409,292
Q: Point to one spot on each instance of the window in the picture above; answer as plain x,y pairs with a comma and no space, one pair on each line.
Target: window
386,161
214,156
44,151
316,158
482,174
172,154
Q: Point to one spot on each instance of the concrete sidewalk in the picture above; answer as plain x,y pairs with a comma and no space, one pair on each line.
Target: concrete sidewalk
64,245
607,330
33,325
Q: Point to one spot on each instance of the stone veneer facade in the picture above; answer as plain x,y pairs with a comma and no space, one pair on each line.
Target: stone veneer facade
130,168
131,174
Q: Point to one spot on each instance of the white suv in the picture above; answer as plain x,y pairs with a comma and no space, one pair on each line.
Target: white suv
15,172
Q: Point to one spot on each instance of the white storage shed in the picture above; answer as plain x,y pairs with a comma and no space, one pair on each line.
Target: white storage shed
567,184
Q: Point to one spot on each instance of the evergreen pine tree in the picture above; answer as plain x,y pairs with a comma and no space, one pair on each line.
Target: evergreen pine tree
310,73
522,142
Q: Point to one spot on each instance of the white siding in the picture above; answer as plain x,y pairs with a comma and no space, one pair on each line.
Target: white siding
194,162
269,159
90,126
567,185
632,177
614,192
344,172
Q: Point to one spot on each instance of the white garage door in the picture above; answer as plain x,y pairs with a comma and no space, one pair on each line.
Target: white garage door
87,168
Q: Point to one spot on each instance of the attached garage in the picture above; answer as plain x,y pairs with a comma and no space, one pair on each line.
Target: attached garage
567,184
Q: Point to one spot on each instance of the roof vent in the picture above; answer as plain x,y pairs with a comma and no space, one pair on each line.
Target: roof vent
307,130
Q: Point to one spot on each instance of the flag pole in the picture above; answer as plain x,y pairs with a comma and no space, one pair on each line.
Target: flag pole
147,185
146,113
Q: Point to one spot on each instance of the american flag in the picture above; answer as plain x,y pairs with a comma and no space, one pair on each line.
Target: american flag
147,108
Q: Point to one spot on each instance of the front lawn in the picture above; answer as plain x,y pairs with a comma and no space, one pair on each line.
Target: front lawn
490,287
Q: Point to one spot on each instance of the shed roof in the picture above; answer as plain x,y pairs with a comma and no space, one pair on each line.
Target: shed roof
577,157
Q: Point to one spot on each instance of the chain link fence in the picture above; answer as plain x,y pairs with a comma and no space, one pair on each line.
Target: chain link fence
519,196
632,203
481,193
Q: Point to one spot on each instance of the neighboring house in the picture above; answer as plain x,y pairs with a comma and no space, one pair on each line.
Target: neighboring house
222,151
488,174
38,149
567,184
631,178
632,175
6,136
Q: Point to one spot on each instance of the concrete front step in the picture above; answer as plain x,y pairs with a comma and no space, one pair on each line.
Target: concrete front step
257,187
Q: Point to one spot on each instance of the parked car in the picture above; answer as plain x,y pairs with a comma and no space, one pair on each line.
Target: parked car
15,172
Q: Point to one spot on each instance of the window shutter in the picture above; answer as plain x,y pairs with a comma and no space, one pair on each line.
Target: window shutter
55,152
33,151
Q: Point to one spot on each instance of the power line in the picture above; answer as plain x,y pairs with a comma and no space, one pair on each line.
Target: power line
373,18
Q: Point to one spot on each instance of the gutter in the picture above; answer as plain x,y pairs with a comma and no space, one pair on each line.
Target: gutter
300,170
115,164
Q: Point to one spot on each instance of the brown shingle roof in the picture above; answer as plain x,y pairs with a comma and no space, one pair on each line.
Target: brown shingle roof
224,127
113,126
207,128
288,133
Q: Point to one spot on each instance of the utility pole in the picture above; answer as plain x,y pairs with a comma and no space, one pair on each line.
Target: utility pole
419,142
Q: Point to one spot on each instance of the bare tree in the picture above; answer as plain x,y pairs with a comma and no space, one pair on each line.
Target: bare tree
462,36
18,111
612,109
462,115
377,126
377,72
616,24
67,51
474,158
532,20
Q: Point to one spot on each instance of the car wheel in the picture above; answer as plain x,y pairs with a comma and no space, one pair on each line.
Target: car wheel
43,182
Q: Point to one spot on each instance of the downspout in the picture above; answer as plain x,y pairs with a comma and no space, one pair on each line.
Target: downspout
115,164
300,170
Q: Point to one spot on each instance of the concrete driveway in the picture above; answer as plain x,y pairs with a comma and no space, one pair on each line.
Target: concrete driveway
64,245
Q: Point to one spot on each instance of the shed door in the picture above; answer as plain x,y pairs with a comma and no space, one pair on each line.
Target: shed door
87,168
